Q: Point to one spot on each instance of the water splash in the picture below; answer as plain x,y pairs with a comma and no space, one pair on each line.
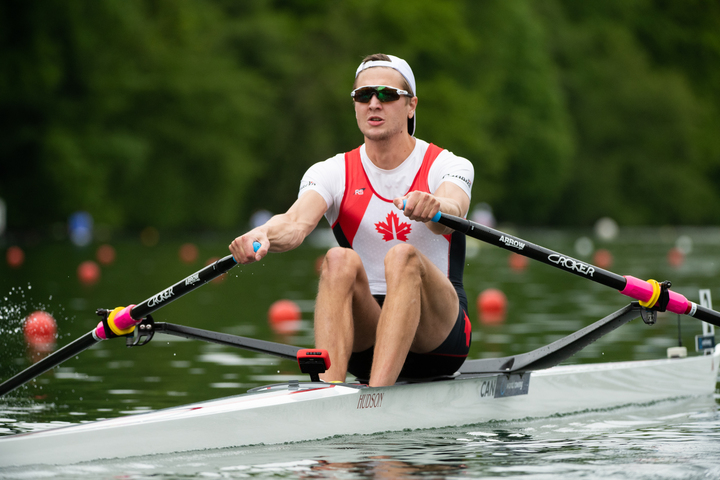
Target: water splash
16,305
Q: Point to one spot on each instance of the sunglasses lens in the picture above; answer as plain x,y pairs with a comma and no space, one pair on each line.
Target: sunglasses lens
364,95
384,94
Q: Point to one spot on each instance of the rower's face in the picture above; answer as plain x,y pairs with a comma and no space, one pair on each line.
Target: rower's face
377,120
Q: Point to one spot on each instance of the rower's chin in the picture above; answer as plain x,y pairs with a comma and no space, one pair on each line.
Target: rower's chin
377,133
377,136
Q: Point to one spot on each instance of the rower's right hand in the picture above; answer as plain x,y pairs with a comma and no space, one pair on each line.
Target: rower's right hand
243,247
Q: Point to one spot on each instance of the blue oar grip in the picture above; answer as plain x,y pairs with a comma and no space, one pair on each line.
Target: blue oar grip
256,247
434,219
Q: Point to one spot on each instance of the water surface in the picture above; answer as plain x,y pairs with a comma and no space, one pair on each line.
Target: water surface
675,439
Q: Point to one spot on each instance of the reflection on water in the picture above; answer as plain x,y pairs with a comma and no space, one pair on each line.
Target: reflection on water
544,304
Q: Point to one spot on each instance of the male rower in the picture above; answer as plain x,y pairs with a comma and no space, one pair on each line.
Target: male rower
390,302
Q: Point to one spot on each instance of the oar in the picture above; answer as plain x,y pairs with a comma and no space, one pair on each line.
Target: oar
122,321
649,293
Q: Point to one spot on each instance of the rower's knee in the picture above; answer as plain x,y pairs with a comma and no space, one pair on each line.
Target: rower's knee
340,263
402,260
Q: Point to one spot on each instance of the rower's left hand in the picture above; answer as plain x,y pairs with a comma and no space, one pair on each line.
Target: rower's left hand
419,206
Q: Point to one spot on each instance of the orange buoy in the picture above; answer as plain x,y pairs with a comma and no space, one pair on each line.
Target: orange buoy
675,257
15,257
105,254
40,331
188,253
492,306
518,262
603,258
284,317
88,272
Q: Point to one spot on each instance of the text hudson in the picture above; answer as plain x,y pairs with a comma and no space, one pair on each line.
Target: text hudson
370,400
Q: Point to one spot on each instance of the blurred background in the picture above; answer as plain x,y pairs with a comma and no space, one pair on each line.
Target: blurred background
193,115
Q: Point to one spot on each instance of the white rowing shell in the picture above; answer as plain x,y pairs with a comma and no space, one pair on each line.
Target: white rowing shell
286,413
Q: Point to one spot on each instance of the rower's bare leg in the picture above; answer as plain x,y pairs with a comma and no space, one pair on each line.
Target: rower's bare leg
346,314
420,310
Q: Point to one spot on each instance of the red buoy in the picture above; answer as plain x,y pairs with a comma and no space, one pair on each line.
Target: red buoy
15,257
188,253
603,258
105,254
492,306
675,257
284,317
40,331
518,262
88,272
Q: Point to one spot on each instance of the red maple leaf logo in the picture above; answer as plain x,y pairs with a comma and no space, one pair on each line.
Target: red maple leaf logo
392,228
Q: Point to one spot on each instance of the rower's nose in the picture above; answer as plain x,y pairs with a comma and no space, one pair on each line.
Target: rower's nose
374,102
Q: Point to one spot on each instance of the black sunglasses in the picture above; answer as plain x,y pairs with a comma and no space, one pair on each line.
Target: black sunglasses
383,93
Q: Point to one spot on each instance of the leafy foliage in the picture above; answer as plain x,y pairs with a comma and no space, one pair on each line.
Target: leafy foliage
192,114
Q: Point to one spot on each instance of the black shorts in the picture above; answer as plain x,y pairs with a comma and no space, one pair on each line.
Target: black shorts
444,360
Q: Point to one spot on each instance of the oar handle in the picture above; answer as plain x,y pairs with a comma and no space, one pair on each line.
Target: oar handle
436,217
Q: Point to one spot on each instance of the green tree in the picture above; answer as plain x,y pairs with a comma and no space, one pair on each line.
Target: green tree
638,124
129,110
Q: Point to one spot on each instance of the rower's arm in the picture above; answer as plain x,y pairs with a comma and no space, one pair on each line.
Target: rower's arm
282,232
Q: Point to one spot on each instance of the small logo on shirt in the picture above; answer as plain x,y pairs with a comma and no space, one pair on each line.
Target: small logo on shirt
360,191
461,178
392,229
309,183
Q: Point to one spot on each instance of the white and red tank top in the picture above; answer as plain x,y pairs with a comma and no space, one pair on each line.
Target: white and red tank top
371,224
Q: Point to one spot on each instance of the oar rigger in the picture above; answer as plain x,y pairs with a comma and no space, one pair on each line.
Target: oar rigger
136,332
657,303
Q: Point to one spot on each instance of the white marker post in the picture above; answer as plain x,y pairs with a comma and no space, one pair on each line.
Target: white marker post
706,341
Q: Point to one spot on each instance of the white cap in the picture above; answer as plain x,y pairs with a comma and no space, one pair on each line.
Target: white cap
401,66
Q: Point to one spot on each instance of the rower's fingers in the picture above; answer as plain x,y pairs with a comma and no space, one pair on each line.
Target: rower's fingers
421,206
245,249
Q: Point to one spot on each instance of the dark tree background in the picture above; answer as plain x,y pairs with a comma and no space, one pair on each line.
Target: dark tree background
192,114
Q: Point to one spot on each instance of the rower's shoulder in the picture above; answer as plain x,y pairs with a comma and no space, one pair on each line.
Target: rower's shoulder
332,164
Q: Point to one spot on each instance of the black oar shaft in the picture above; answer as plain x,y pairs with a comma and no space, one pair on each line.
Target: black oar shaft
59,356
187,285
138,312
536,252
629,285
707,315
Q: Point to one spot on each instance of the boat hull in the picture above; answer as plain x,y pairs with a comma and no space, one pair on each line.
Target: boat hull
312,411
